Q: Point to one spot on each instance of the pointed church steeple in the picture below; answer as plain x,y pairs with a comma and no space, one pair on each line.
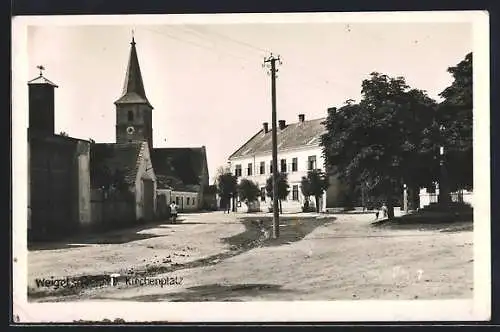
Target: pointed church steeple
133,87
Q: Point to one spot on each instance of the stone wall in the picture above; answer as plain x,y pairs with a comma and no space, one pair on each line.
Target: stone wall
59,185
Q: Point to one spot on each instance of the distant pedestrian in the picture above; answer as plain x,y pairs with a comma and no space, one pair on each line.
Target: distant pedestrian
384,210
173,211
376,213
263,230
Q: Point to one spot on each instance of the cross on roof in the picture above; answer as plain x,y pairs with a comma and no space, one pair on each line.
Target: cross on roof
41,68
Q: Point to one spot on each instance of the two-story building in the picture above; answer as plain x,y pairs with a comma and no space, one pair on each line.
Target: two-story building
299,152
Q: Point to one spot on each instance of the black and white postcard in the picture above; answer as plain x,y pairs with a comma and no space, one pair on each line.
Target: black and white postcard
251,167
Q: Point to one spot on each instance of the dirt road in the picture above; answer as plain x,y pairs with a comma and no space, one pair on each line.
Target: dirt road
218,257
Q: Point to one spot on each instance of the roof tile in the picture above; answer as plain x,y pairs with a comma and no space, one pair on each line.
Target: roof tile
294,135
122,157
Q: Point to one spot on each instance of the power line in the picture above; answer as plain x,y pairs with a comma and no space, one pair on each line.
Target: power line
324,80
305,71
257,48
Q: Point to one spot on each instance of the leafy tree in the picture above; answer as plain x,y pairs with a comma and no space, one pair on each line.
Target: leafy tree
315,183
226,187
455,118
283,188
248,191
305,188
380,140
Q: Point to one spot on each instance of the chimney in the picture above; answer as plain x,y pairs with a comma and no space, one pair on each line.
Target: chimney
265,126
302,117
282,124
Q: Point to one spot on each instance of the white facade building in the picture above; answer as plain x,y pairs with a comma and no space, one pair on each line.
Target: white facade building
299,151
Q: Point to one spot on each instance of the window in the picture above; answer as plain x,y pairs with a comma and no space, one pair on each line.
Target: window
283,165
237,170
249,169
177,200
263,194
295,192
130,115
271,167
295,164
194,201
311,163
187,200
262,167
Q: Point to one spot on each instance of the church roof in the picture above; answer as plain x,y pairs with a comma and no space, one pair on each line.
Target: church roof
41,80
293,136
133,87
179,168
121,157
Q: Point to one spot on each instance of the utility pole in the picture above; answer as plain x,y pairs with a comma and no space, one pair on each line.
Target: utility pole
270,63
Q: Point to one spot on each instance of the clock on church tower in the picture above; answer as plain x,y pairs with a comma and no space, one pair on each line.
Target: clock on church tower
133,110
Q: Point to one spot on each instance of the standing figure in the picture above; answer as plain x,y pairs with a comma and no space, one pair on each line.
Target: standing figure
173,212
384,210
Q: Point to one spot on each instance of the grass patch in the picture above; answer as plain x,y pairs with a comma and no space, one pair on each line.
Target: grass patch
259,230
432,219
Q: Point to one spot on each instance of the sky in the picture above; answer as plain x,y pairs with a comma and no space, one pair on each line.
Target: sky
206,81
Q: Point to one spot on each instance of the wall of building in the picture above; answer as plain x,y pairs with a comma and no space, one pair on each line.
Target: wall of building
141,122
83,164
294,177
111,210
163,199
145,171
185,200
59,190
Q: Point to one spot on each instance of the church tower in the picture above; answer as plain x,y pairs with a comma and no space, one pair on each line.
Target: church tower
133,110
41,105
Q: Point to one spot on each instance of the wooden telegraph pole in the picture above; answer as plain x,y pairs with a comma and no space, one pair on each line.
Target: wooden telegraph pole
270,63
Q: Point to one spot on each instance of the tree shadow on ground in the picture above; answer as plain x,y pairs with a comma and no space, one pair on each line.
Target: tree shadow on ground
214,293
444,221
118,236
352,212
259,230
291,228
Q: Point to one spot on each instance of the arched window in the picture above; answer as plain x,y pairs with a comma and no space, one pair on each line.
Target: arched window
130,116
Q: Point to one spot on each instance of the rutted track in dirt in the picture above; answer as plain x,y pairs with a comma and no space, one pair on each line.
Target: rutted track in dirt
255,235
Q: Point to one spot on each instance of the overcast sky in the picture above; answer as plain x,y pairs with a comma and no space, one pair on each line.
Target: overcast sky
207,84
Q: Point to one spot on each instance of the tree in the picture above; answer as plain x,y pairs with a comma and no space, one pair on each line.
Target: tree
455,116
283,188
248,191
226,187
317,184
305,188
380,141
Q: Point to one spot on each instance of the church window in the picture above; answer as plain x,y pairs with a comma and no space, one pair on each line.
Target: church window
130,116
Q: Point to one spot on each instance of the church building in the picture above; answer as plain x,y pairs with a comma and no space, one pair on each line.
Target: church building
181,173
